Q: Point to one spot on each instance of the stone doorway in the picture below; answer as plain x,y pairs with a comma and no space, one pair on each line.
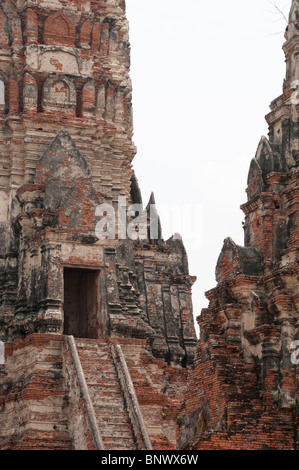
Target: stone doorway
81,303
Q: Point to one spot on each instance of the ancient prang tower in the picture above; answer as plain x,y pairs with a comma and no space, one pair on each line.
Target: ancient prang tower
98,331
243,389
96,317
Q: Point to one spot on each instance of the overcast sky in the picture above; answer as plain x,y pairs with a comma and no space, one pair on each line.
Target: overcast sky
204,74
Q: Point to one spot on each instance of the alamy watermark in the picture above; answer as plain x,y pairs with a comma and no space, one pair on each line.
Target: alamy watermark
127,222
136,223
2,354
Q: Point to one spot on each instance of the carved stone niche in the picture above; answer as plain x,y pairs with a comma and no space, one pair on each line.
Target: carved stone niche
4,32
59,94
89,98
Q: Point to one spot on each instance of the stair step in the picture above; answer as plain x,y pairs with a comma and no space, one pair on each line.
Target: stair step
107,387
90,360
90,342
90,356
115,432
99,378
109,414
114,408
96,350
100,384
109,391
106,394
107,400
105,407
103,370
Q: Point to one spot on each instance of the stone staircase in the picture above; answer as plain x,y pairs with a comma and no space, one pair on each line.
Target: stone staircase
106,394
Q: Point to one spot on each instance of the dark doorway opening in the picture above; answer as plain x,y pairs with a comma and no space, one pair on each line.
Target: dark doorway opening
81,303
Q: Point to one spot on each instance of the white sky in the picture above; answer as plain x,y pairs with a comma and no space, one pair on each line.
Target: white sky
204,74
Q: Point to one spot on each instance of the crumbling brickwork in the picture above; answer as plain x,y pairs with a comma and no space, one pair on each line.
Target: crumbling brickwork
67,148
243,388
33,396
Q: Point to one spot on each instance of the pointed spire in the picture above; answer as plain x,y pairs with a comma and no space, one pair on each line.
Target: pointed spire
154,223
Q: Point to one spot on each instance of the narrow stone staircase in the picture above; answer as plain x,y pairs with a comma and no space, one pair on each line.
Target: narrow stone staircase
106,394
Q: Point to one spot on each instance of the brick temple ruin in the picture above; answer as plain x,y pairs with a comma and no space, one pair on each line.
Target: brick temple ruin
98,332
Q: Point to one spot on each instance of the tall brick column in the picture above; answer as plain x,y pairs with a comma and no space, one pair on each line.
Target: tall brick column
243,388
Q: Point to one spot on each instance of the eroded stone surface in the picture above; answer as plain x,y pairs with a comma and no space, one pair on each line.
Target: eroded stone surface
65,149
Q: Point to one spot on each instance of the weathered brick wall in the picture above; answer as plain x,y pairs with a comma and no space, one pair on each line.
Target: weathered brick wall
43,407
33,397
66,146
76,410
230,406
160,389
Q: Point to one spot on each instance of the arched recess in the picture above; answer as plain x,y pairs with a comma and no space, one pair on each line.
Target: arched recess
17,32
95,37
114,40
85,34
31,27
101,102
119,106
59,93
255,179
59,30
110,103
104,40
4,35
30,95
